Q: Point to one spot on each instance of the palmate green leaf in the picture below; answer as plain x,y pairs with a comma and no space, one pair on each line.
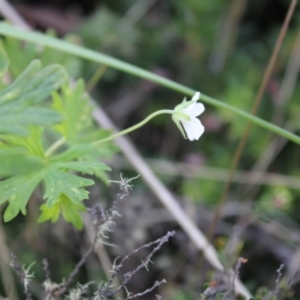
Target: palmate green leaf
18,101
49,213
10,123
31,143
98,172
32,167
74,106
17,162
64,192
17,190
26,164
65,206
84,167
73,153
78,127
58,182
88,156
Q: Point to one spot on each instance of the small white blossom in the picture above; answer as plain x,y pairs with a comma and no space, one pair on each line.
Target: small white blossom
185,115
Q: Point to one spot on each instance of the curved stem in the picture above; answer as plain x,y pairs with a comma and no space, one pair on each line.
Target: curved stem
94,56
55,146
134,127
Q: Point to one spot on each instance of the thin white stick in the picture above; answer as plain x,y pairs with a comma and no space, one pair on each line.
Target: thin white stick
9,13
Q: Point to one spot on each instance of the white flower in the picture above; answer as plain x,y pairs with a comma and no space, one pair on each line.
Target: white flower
184,116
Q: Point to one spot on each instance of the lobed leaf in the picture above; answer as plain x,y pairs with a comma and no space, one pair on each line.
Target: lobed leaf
22,152
79,130
18,100
24,159
17,190
74,105
17,162
74,152
84,167
69,210
58,182
31,143
98,172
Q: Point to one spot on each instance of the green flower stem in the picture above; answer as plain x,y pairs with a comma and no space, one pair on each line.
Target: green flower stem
134,127
55,146
94,56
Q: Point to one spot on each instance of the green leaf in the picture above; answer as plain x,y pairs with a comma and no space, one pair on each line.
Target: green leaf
98,172
32,143
24,159
27,170
67,207
17,191
17,162
34,84
24,155
78,128
49,213
32,115
58,182
71,212
74,152
85,167
18,100
74,106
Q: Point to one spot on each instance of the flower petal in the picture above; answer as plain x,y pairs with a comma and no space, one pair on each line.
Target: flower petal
193,128
194,110
198,109
196,97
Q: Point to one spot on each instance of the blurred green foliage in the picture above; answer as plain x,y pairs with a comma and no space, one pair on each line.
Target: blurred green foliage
184,40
